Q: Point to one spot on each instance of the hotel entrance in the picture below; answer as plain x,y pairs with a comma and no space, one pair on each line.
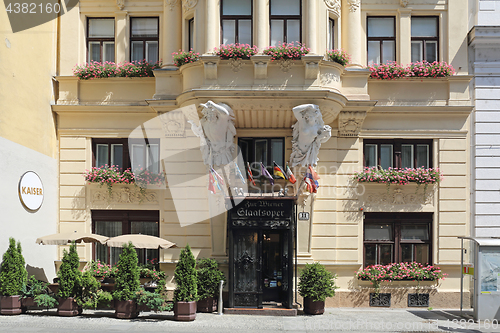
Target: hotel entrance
261,253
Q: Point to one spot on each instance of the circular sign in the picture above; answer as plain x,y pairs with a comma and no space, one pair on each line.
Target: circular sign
31,191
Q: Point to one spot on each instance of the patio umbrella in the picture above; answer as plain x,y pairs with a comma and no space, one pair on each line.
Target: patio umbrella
68,237
140,241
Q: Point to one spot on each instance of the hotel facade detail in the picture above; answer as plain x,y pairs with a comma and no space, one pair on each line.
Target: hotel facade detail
346,225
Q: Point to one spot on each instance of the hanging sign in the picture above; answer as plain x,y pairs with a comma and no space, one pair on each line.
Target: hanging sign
468,269
31,191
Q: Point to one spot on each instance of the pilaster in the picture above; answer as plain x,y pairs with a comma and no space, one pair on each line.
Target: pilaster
261,19
122,37
172,30
212,32
351,26
404,37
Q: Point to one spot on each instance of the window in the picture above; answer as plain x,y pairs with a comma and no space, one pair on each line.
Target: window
113,223
398,153
101,39
397,237
265,150
285,21
381,40
424,39
236,21
144,39
125,153
191,34
331,34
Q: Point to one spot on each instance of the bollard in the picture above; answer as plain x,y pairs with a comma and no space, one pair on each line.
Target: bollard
219,305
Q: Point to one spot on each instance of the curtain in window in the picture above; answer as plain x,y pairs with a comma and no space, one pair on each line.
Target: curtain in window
110,229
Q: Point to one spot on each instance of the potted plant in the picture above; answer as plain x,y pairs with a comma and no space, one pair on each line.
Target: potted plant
127,283
209,276
13,276
152,301
88,297
69,283
315,285
30,291
186,292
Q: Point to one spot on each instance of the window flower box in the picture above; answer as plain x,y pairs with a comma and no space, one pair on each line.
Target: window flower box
392,70
98,70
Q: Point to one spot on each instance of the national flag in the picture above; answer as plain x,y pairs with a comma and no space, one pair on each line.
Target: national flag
218,178
278,171
266,173
237,171
250,175
311,184
313,173
211,182
289,175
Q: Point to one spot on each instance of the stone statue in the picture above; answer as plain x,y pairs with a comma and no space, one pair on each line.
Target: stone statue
309,132
216,132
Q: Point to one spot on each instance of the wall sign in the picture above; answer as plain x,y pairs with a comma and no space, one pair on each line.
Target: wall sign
303,216
31,191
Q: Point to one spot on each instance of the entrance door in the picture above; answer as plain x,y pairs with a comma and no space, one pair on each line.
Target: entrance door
272,273
247,268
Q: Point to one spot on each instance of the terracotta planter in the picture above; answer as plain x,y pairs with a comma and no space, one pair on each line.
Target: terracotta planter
27,302
185,311
126,309
10,305
313,307
68,307
207,305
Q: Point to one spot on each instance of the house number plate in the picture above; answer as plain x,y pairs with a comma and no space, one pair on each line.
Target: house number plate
303,216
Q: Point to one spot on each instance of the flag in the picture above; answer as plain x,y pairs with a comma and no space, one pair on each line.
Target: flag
311,183
218,178
250,176
313,173
211,182
289,175
237,171
278,171
266,173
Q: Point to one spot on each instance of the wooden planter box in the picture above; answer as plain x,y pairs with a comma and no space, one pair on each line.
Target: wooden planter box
207,305
126,309
313,307
185,311
68,307
418,300
10,305
380,300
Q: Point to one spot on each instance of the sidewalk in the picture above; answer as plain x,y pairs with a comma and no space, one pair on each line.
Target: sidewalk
334,320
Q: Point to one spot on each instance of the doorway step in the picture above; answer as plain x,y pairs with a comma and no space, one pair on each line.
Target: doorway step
277,312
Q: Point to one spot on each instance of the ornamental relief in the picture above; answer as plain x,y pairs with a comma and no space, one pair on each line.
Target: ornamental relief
333,6
124,195
398,197
171,3
350,123
187,5
353,5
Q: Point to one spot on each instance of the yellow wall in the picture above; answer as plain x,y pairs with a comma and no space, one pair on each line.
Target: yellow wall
27,65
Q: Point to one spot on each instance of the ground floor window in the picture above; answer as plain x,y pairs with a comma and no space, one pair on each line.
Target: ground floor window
397,237
113,223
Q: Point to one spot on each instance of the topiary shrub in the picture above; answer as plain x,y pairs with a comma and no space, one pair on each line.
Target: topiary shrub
209,276
316,282
13,274
185,277
127,275
69,275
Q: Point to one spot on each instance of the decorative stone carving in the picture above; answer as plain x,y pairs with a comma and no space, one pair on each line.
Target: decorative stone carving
404,3
353,5
124,195
120,4
399,197
350,122
328,78
311,63
210,64
171,4
173,124
189,4
309,132
285,65
236,64
216,132
334,6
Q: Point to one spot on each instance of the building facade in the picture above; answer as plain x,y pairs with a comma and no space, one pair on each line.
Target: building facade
345,225
28,141
483,43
